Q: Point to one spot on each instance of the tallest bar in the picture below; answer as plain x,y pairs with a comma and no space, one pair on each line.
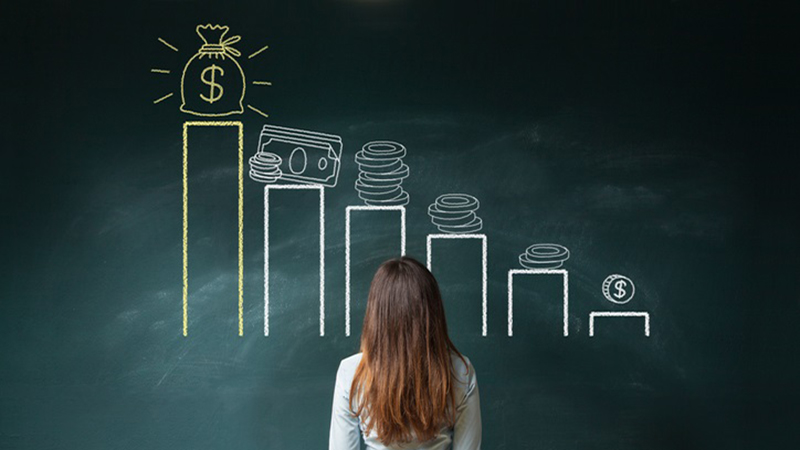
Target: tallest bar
240,207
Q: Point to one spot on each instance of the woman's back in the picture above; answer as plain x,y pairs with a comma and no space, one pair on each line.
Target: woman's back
409,388
465,434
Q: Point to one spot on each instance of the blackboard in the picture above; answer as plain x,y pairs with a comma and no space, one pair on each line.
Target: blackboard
648,139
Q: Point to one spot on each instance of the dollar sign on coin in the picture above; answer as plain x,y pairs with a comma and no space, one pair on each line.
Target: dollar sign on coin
623,289
215,89
620,286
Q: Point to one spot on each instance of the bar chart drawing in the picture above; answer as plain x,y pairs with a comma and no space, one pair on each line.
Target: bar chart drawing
484,248
348,210
185,215
321,191
595,314
565,275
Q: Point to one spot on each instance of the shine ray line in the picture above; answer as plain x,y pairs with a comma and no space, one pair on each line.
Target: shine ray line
167,44
163,98
159,70
262,83
258,111
259,51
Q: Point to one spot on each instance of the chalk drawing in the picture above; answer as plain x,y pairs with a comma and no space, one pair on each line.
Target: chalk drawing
618,289
256,110
213,83
544,256
170,46
265,167
455,213
644,315
381,174
484,266
308,157
258,51
561,272
240,237
348,210
159,100
321,190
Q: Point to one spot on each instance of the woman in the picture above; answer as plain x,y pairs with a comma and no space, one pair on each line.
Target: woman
409,388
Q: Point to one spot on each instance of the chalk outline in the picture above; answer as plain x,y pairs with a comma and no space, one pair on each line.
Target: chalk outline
397,176
321,189
167,44
484,264
254,109
185,183
594,314
348,209
468,204
563,272
606,288
557,258
225,48
330,143
159,100
258,51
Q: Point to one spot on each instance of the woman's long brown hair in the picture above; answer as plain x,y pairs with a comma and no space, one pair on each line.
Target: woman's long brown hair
403,386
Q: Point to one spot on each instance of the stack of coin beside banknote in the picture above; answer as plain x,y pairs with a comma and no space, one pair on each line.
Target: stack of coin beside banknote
544,256
381,174
265,167
455,214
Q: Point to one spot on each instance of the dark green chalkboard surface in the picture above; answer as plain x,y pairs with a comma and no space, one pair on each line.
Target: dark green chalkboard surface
650,140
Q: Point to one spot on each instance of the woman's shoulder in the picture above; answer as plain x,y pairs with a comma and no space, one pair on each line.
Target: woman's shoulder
462,368
347,367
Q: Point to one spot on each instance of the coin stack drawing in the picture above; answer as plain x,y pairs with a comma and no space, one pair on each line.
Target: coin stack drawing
265,167
455,214
544,256
381,174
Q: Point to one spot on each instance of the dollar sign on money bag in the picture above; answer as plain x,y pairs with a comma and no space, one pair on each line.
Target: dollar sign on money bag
216,89
213,82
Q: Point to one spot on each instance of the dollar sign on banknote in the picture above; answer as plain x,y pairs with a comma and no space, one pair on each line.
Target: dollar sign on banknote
215,90
623,289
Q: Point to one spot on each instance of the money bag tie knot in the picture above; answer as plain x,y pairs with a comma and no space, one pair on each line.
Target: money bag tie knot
225,47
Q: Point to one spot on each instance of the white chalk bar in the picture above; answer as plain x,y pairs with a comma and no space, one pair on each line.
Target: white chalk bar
321,189
644,315
363,210
537,272
484,248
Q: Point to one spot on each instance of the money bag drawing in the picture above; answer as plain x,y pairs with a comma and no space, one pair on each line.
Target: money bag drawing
213,82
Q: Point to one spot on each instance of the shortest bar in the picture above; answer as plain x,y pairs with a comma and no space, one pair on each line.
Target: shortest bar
594,314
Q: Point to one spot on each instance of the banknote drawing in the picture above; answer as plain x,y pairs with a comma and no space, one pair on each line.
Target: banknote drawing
301,156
